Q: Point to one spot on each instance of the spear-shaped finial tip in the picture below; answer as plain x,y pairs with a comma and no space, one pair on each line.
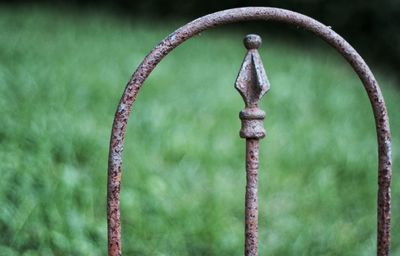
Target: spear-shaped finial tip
252,82
252,41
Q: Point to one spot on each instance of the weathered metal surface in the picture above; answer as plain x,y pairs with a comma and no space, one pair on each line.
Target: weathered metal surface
244,14
252,83
251,198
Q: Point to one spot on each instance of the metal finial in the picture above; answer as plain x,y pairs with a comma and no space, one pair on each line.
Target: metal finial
252,82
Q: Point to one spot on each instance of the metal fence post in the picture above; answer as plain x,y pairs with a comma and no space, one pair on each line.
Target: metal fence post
252,84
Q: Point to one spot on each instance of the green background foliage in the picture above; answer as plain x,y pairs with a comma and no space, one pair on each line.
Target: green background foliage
371,26
61,76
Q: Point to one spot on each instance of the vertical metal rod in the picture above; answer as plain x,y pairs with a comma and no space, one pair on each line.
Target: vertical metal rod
252,84
251,210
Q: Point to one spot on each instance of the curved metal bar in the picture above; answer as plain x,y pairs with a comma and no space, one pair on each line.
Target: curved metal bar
236,15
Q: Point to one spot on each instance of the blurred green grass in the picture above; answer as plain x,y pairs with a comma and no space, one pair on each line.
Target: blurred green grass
61,76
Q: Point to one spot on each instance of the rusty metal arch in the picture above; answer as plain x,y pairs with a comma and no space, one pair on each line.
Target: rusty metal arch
245,14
